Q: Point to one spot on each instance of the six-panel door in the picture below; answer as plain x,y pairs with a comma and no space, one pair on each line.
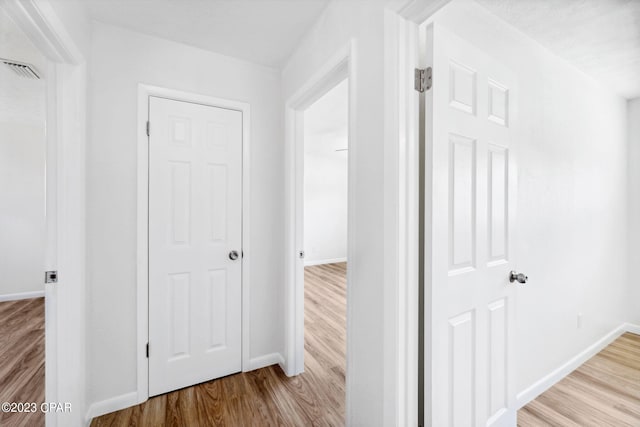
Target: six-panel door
195,214
469,312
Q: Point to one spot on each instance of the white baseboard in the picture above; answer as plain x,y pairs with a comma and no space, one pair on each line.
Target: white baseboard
131,399
630,327
110,405
21,295
324,261
572,364
266,360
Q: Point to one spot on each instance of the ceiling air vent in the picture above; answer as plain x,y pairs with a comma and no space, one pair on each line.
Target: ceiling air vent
22,69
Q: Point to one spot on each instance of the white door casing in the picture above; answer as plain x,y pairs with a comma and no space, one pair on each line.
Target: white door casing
195,221
472,196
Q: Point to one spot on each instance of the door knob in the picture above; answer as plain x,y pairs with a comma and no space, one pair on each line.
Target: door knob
519,277
233,255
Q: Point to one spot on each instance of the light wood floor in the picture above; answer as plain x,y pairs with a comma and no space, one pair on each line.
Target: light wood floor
605,391
22,359
266,397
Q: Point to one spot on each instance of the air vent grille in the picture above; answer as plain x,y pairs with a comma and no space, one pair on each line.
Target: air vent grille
22,69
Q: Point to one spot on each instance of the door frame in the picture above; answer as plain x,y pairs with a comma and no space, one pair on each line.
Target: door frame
142,264
338,68
405,305
66,80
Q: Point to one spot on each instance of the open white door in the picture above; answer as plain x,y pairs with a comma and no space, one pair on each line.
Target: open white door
471,194
195,238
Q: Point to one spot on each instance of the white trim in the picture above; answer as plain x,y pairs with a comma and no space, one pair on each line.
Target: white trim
546,382
630,327
51,245
110,405
336,69
266,360
401,215
22,295
324,261
42,26
401,164
419,11
393,242
70,291
142,250
144,92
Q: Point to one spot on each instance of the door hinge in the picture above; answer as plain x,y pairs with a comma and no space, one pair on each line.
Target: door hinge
51,276
147,128
147,350
423,79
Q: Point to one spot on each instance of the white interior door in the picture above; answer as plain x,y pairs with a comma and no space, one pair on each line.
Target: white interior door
195,222
472,197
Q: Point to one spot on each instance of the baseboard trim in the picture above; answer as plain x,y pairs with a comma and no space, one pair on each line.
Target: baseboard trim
21,295
266,360
110,405
630,327
539,387
131,399
324,261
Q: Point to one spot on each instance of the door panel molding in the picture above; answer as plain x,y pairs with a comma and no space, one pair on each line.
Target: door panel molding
469,317
142,248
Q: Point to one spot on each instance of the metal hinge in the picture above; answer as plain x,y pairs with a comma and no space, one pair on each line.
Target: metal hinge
51,276
423,79
147,128
147,350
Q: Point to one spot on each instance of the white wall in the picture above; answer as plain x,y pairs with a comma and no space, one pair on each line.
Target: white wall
325,207
633,136
325,177
572,191
120,61
364,23
22,166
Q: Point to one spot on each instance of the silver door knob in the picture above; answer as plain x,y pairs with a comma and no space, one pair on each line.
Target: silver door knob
519,277
233,255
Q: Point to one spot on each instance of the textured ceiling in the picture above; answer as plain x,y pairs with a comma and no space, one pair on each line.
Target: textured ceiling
600,37
261,31
22,100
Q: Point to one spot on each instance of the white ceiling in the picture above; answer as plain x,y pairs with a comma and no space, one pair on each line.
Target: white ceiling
261,31
600,37
22,100
326,121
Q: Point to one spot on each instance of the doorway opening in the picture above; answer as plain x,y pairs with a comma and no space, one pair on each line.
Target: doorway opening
23,152
338,73
325,165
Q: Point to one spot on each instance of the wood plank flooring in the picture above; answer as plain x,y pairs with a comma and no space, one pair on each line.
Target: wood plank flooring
22,359
267,397
605,391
